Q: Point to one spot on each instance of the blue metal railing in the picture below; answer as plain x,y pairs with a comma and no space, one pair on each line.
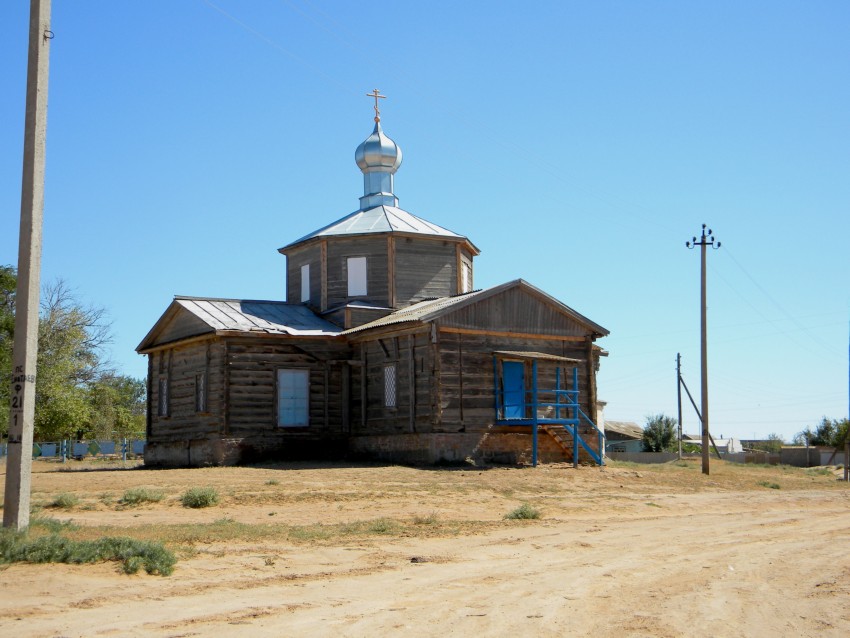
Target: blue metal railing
564,402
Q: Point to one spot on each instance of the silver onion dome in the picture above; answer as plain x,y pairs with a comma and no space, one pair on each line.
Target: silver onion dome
378,152
379,158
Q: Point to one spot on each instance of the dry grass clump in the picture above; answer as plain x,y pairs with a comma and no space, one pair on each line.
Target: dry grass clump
140,495
198,497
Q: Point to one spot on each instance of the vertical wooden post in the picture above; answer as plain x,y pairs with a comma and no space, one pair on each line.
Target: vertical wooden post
533,412
323,266
16,510
411,379
391,271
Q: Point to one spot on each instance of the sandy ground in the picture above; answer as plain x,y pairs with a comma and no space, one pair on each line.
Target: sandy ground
620,551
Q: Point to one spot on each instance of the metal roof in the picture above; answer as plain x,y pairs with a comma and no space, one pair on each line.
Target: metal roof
624,428
274,317
419,311
380,219
243,315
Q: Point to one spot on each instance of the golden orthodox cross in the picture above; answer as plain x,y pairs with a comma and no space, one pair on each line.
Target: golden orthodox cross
376,94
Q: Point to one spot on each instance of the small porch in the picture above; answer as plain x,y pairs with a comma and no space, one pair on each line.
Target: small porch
541,391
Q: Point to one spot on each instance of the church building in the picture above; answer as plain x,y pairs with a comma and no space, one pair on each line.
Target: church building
382,350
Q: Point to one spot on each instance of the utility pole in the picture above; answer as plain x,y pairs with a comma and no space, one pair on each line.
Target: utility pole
679,395
707,239
16,509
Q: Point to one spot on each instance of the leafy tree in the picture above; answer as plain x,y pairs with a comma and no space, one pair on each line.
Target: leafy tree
118,407
77,394
831,432
659,434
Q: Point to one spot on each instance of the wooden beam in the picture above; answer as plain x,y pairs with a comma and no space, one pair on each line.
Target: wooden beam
323,260
346,397
458,270
226,398
391,271
363,375
521,335
411,379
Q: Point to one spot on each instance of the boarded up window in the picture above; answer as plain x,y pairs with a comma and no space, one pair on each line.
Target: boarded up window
201,392
390,386
356,276
466,277
162,405
293,398
305,283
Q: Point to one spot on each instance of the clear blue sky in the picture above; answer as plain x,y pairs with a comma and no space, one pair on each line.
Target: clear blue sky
578,144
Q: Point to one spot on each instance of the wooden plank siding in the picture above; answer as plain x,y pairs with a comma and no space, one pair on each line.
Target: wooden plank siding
424,269
252,372
515,310
466,390
374,249
312,255
180,366
410,352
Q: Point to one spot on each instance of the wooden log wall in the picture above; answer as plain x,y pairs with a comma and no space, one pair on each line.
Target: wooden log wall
424,269
466,385
252,373
410,352
311,255
180,367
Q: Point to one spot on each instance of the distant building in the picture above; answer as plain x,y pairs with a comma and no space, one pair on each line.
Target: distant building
623,436
382,349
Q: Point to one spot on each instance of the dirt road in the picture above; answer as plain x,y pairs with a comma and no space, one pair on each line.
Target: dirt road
622,551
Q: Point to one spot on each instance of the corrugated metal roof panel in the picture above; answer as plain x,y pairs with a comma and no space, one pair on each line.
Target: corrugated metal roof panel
416,312
624,428
274,317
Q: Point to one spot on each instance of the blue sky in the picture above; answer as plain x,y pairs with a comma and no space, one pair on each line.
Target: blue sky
578,144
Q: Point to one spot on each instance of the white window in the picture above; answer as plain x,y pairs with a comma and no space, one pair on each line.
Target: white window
465,277
305,283
390,386
356,276
293,398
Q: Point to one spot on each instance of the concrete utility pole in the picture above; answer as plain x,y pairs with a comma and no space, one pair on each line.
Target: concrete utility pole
707,239
679,397
16,509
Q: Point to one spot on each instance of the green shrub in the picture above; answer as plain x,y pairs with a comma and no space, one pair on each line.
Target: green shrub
133,554
66,500
523,512
773,486
199,497
139,495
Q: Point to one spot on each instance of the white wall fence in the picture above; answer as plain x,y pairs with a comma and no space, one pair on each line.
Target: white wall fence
81,449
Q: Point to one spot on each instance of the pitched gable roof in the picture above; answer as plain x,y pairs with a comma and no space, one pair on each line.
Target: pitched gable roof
436,308
192,316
